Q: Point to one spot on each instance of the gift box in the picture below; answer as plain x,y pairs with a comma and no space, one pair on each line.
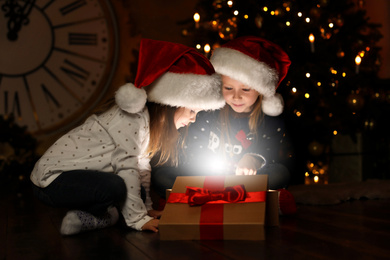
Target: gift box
215,208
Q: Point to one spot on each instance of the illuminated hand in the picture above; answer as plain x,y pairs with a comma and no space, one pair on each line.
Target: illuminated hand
151,225
249,164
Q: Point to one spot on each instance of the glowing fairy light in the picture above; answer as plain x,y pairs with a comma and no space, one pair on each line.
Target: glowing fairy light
311,39
196,19
358,60
207,48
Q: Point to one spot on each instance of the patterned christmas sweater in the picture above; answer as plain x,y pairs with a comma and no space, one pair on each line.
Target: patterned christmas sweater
208,152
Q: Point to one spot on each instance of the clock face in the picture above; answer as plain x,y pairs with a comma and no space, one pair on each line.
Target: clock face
57,59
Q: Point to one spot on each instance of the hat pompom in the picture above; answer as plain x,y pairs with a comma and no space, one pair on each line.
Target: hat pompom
273,105
130,98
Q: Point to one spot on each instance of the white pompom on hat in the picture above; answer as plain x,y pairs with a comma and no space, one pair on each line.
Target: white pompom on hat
172,74
257,63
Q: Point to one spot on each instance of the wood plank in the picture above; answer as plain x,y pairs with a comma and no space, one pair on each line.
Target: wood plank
351,230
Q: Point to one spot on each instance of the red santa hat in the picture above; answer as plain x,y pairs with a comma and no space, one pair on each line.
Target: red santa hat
259,64
172,74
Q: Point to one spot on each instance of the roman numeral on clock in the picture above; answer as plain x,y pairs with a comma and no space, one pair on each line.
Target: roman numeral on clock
82,39
78,74
72,7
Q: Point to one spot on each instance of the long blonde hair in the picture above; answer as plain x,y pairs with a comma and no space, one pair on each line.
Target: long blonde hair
164,137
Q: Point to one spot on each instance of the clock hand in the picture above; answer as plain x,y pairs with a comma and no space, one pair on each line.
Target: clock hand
18,16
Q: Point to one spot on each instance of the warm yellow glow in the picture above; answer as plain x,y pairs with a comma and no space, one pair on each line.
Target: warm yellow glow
358,60
333,71
272,12
334,132
316,179
235,12
307,174
308,75
311,38
299,14
331,25
265,9
319,84
246,16
288,9
230,3
307,95
196,17
198,46
361,54
288,23
307,20
207,48
298,114
294,90
344,74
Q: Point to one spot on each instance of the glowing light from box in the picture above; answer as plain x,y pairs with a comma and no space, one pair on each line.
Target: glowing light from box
246,16
334,132
265,9
316,179
230,3
307,95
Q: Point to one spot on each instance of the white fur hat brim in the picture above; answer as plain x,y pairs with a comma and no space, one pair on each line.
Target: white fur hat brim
193,91
253,73
130,98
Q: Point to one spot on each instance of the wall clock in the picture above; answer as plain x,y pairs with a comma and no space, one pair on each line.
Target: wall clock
57,59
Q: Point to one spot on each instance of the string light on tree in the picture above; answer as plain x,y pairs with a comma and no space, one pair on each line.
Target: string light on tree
311,39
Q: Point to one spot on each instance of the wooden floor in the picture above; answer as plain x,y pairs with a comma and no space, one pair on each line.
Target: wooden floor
358,229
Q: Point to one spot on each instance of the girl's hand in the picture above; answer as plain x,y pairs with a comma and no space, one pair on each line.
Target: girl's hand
248,165
155,213
151,225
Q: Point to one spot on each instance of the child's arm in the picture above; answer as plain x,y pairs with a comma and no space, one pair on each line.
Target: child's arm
249,164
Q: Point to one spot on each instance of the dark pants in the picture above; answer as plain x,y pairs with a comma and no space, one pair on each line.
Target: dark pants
90,191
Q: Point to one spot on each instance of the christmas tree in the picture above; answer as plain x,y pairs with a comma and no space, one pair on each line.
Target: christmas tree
332,86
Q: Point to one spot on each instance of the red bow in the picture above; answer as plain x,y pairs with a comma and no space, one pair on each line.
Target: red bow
199,196
241,136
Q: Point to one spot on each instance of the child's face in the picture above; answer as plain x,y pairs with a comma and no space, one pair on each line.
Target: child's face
237,95
183,116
